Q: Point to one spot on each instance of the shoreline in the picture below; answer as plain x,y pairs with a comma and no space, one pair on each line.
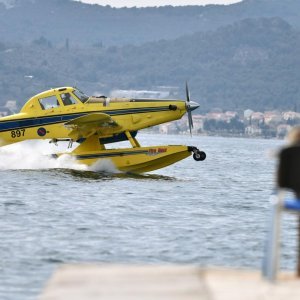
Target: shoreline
213,134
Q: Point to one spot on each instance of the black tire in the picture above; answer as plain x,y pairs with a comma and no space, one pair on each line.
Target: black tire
199,156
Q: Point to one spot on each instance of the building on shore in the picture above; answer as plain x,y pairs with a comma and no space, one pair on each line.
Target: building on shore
269,124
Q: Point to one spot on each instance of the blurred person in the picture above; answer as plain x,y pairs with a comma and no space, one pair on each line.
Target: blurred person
289,163
288,174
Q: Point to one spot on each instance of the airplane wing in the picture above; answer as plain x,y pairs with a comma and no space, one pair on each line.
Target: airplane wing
93,123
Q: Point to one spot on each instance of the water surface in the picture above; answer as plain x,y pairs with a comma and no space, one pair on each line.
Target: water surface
205,213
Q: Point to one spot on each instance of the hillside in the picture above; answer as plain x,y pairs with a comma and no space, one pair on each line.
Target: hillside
253,64
85,25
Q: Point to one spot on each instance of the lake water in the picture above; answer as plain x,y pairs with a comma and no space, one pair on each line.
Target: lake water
211,213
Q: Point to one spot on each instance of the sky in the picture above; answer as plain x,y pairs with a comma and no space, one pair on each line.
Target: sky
143,3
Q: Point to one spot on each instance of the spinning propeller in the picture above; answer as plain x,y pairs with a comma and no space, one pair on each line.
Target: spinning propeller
190,106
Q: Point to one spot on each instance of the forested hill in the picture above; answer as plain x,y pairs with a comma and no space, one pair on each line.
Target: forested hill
253,64
83,24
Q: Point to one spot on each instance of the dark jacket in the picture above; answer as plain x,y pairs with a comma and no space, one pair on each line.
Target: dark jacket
289,169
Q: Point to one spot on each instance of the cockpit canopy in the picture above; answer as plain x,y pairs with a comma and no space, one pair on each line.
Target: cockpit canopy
55,98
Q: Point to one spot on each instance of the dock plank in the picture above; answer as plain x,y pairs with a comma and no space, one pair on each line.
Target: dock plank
176,282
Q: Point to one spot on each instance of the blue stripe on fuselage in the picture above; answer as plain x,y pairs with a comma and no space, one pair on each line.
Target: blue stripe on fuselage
49,120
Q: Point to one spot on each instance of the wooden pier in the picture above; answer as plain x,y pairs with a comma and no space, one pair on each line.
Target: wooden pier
175,282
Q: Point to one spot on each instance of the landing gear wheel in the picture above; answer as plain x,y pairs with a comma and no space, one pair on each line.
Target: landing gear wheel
199,155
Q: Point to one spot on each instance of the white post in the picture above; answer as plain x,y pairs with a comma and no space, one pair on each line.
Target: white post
272,251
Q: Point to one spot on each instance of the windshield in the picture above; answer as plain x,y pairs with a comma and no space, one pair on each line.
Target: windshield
81,96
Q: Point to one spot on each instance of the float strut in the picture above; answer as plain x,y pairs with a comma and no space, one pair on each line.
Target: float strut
134,143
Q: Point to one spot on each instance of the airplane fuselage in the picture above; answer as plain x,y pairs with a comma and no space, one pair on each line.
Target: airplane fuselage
37,121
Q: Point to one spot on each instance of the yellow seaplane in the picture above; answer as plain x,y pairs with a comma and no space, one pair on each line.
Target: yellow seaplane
67,114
